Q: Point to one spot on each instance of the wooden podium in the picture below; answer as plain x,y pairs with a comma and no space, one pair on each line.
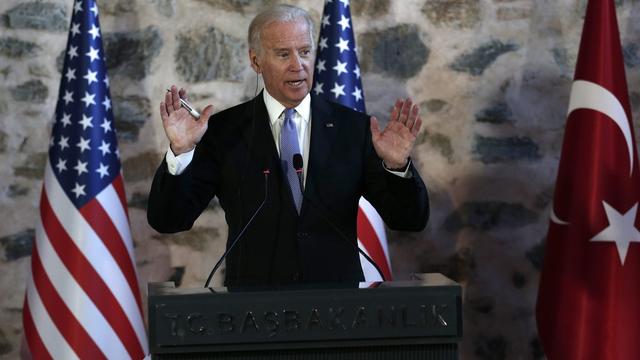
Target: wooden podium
416,319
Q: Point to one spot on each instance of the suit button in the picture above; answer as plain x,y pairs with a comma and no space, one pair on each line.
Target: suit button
295,277
302,235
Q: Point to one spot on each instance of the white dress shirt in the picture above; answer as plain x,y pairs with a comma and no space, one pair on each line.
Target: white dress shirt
302,119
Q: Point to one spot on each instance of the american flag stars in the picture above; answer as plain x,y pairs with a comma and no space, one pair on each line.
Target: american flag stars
337,75
83,135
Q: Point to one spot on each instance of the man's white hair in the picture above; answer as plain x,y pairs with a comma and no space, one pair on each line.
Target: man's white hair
277,13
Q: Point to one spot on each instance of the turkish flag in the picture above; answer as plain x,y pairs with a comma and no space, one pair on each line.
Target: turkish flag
589,297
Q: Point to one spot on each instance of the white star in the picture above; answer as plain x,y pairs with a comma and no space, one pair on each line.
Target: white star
88,99
78,190
343,45
107,103
68,97
93,54
341,67
106,81
357,94
81,167
325,21
318,88
345,2
86,122
62,165
344,22
621,229
102,170
91,76
94,9
83,145
75,29
71,74
104,148
73,52
77,7
323,43
357,72
320,66
338,90
63,143
65,120
95,31
106,125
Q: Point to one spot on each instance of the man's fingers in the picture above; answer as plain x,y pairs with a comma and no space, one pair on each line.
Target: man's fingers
168,102
406,109
175,98
163,111
395,112
206,113
375,128
415,111
416,127
183,94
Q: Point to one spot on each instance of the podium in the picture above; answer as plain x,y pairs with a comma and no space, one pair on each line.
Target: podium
415,319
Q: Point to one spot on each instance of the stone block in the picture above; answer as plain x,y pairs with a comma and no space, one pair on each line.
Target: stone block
130,113
493,348
33,166
37,15
210,54
398,51
371,8
117,7
166,8
141,166
453,13
513,13
535,255
18,245
3,141
196,238
439,141
479,59
241,6
139,200
17,190
435,105
499,113
34,91
489,215
129,54
15,48
630,53
491,150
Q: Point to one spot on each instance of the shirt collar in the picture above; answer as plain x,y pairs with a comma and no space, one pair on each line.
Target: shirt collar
275,109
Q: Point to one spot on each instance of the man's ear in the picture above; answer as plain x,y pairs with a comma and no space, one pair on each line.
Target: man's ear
255,64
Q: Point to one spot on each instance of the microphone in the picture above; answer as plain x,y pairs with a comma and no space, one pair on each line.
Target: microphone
298,166
266,173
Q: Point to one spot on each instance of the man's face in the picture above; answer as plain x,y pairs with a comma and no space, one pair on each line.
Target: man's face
286,61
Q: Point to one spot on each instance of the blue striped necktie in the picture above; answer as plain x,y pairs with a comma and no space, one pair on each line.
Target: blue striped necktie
288,147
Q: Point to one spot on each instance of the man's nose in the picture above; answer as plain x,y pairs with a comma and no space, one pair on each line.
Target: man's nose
295,63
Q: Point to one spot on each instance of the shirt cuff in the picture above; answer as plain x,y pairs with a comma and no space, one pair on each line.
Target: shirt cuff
177,164
404,174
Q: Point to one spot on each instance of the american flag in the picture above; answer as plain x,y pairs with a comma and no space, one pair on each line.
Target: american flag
83,299
337,78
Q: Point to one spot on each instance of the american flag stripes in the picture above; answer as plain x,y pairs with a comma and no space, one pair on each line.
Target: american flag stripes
337,78
83,299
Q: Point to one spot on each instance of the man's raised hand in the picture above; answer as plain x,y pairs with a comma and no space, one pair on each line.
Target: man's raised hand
182,129
395,142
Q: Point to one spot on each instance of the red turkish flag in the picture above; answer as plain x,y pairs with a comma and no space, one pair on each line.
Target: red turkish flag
589,298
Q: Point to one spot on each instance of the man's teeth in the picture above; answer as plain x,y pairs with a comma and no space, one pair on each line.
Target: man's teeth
295,83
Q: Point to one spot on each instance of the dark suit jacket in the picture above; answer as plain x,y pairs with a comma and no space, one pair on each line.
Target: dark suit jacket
280,247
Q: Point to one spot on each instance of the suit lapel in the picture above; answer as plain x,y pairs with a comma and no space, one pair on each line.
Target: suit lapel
259,137
324,130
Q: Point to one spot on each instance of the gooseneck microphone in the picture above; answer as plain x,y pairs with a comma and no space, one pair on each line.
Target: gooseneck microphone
298,166
266,173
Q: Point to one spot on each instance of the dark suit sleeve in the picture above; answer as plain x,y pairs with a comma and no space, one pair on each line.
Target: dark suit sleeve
176,201
403,203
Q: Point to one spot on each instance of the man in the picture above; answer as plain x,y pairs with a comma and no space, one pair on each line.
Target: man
306,231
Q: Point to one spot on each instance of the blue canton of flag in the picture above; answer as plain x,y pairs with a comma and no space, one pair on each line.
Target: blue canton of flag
84,152
337,73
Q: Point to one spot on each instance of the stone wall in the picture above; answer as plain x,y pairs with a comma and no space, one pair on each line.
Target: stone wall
492,77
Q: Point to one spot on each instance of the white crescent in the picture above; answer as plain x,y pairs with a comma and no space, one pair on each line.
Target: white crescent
589,95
